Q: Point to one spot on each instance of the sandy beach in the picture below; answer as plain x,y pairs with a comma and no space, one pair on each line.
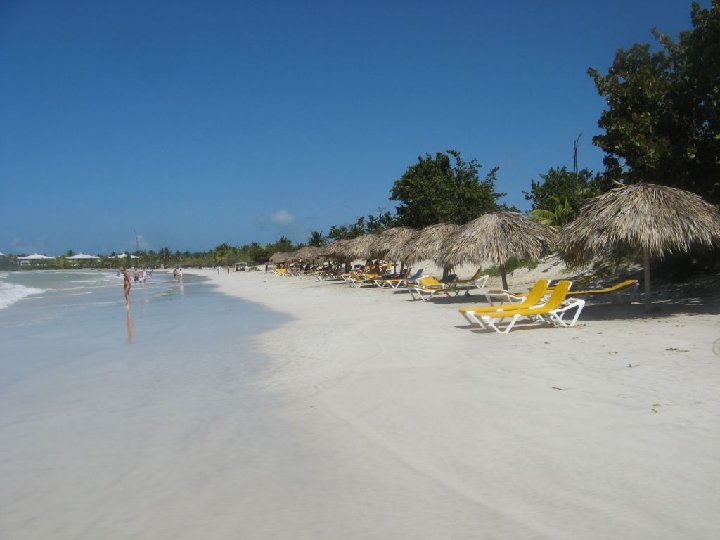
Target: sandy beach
261,407
425,428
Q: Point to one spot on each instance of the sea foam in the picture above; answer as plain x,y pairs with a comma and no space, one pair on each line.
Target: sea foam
12,292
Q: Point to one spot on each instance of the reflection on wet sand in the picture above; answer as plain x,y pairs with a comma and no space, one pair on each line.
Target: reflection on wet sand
130,325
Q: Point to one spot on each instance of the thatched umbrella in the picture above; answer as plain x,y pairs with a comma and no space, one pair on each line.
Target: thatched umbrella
281,257
389,242
337,250
430,243
498,237
656,219
361,247
307,253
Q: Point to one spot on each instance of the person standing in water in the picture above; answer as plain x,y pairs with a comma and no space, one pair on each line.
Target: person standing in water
126,284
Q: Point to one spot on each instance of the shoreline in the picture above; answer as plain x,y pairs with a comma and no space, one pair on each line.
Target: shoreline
606,430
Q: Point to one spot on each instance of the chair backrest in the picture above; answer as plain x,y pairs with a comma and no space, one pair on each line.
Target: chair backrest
558,296
537,292
416,275
481,281
477,275
617,287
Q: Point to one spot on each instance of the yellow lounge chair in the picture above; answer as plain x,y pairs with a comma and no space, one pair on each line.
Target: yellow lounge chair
479,279
358,280
401,281
532,298
427,287
607,290
551,311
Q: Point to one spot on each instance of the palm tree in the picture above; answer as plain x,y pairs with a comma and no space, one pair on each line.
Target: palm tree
316,239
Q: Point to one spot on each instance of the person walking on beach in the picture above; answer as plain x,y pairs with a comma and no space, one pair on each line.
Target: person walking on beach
126,284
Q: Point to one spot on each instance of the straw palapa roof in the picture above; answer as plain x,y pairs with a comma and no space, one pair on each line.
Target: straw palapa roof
429,243
337,250
361,247
307,253
389,243
660,219
281,257
655,219
496,238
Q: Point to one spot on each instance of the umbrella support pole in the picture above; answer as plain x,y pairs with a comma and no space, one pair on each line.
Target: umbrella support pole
503,276
646,268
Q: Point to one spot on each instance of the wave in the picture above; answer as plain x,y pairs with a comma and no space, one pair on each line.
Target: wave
11,293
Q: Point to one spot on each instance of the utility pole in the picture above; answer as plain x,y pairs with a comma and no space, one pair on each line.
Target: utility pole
576,151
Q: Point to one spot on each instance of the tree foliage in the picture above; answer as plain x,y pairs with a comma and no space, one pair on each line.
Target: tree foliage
559,194
662,124
436,190
282,244
371,224
316,239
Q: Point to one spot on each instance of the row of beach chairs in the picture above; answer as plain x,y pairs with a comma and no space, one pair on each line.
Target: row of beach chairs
557,304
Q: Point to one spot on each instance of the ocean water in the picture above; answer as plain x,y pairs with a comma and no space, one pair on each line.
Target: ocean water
48,318
113,421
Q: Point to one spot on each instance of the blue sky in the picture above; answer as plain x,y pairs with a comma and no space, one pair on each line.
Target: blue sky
192,123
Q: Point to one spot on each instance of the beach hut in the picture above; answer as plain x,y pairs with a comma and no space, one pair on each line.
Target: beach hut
497,237
654,219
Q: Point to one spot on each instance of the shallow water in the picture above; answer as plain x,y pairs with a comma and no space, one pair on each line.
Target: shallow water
80,316
110,416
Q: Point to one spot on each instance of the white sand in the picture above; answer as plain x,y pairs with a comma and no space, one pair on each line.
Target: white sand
414,426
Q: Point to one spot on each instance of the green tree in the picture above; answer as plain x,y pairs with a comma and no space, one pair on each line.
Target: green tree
559,194
316,239
436,190
384,220
662,124
221,253
341,232
282,244
164,255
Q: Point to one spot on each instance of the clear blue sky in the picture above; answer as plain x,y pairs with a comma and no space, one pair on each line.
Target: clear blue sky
192,123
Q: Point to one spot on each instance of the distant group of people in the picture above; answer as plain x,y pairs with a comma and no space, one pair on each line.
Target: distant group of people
178,273
141,276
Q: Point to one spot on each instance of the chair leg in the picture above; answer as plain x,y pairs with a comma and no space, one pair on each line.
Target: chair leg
473,319
489,321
